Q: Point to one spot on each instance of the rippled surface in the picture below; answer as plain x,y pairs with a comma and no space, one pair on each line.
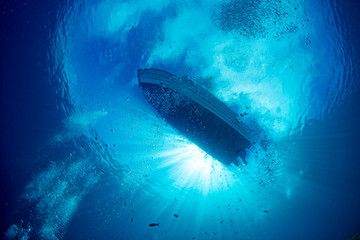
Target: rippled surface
286,67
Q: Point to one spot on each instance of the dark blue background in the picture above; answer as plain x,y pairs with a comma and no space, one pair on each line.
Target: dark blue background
28,114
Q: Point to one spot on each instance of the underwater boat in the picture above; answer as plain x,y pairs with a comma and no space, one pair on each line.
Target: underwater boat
196,114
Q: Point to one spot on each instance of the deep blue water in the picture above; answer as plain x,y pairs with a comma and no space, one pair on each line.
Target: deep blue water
84,156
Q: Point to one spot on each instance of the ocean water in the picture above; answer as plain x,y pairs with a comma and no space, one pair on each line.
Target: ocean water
84,156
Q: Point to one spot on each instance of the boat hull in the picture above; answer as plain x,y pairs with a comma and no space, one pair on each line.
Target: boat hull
195,113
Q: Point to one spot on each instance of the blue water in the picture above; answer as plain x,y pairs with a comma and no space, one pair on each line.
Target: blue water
84,156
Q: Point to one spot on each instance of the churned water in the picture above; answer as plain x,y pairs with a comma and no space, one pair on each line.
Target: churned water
84,156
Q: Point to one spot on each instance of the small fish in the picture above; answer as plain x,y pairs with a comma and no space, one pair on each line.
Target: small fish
175,215
132,219
154,225
266,211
